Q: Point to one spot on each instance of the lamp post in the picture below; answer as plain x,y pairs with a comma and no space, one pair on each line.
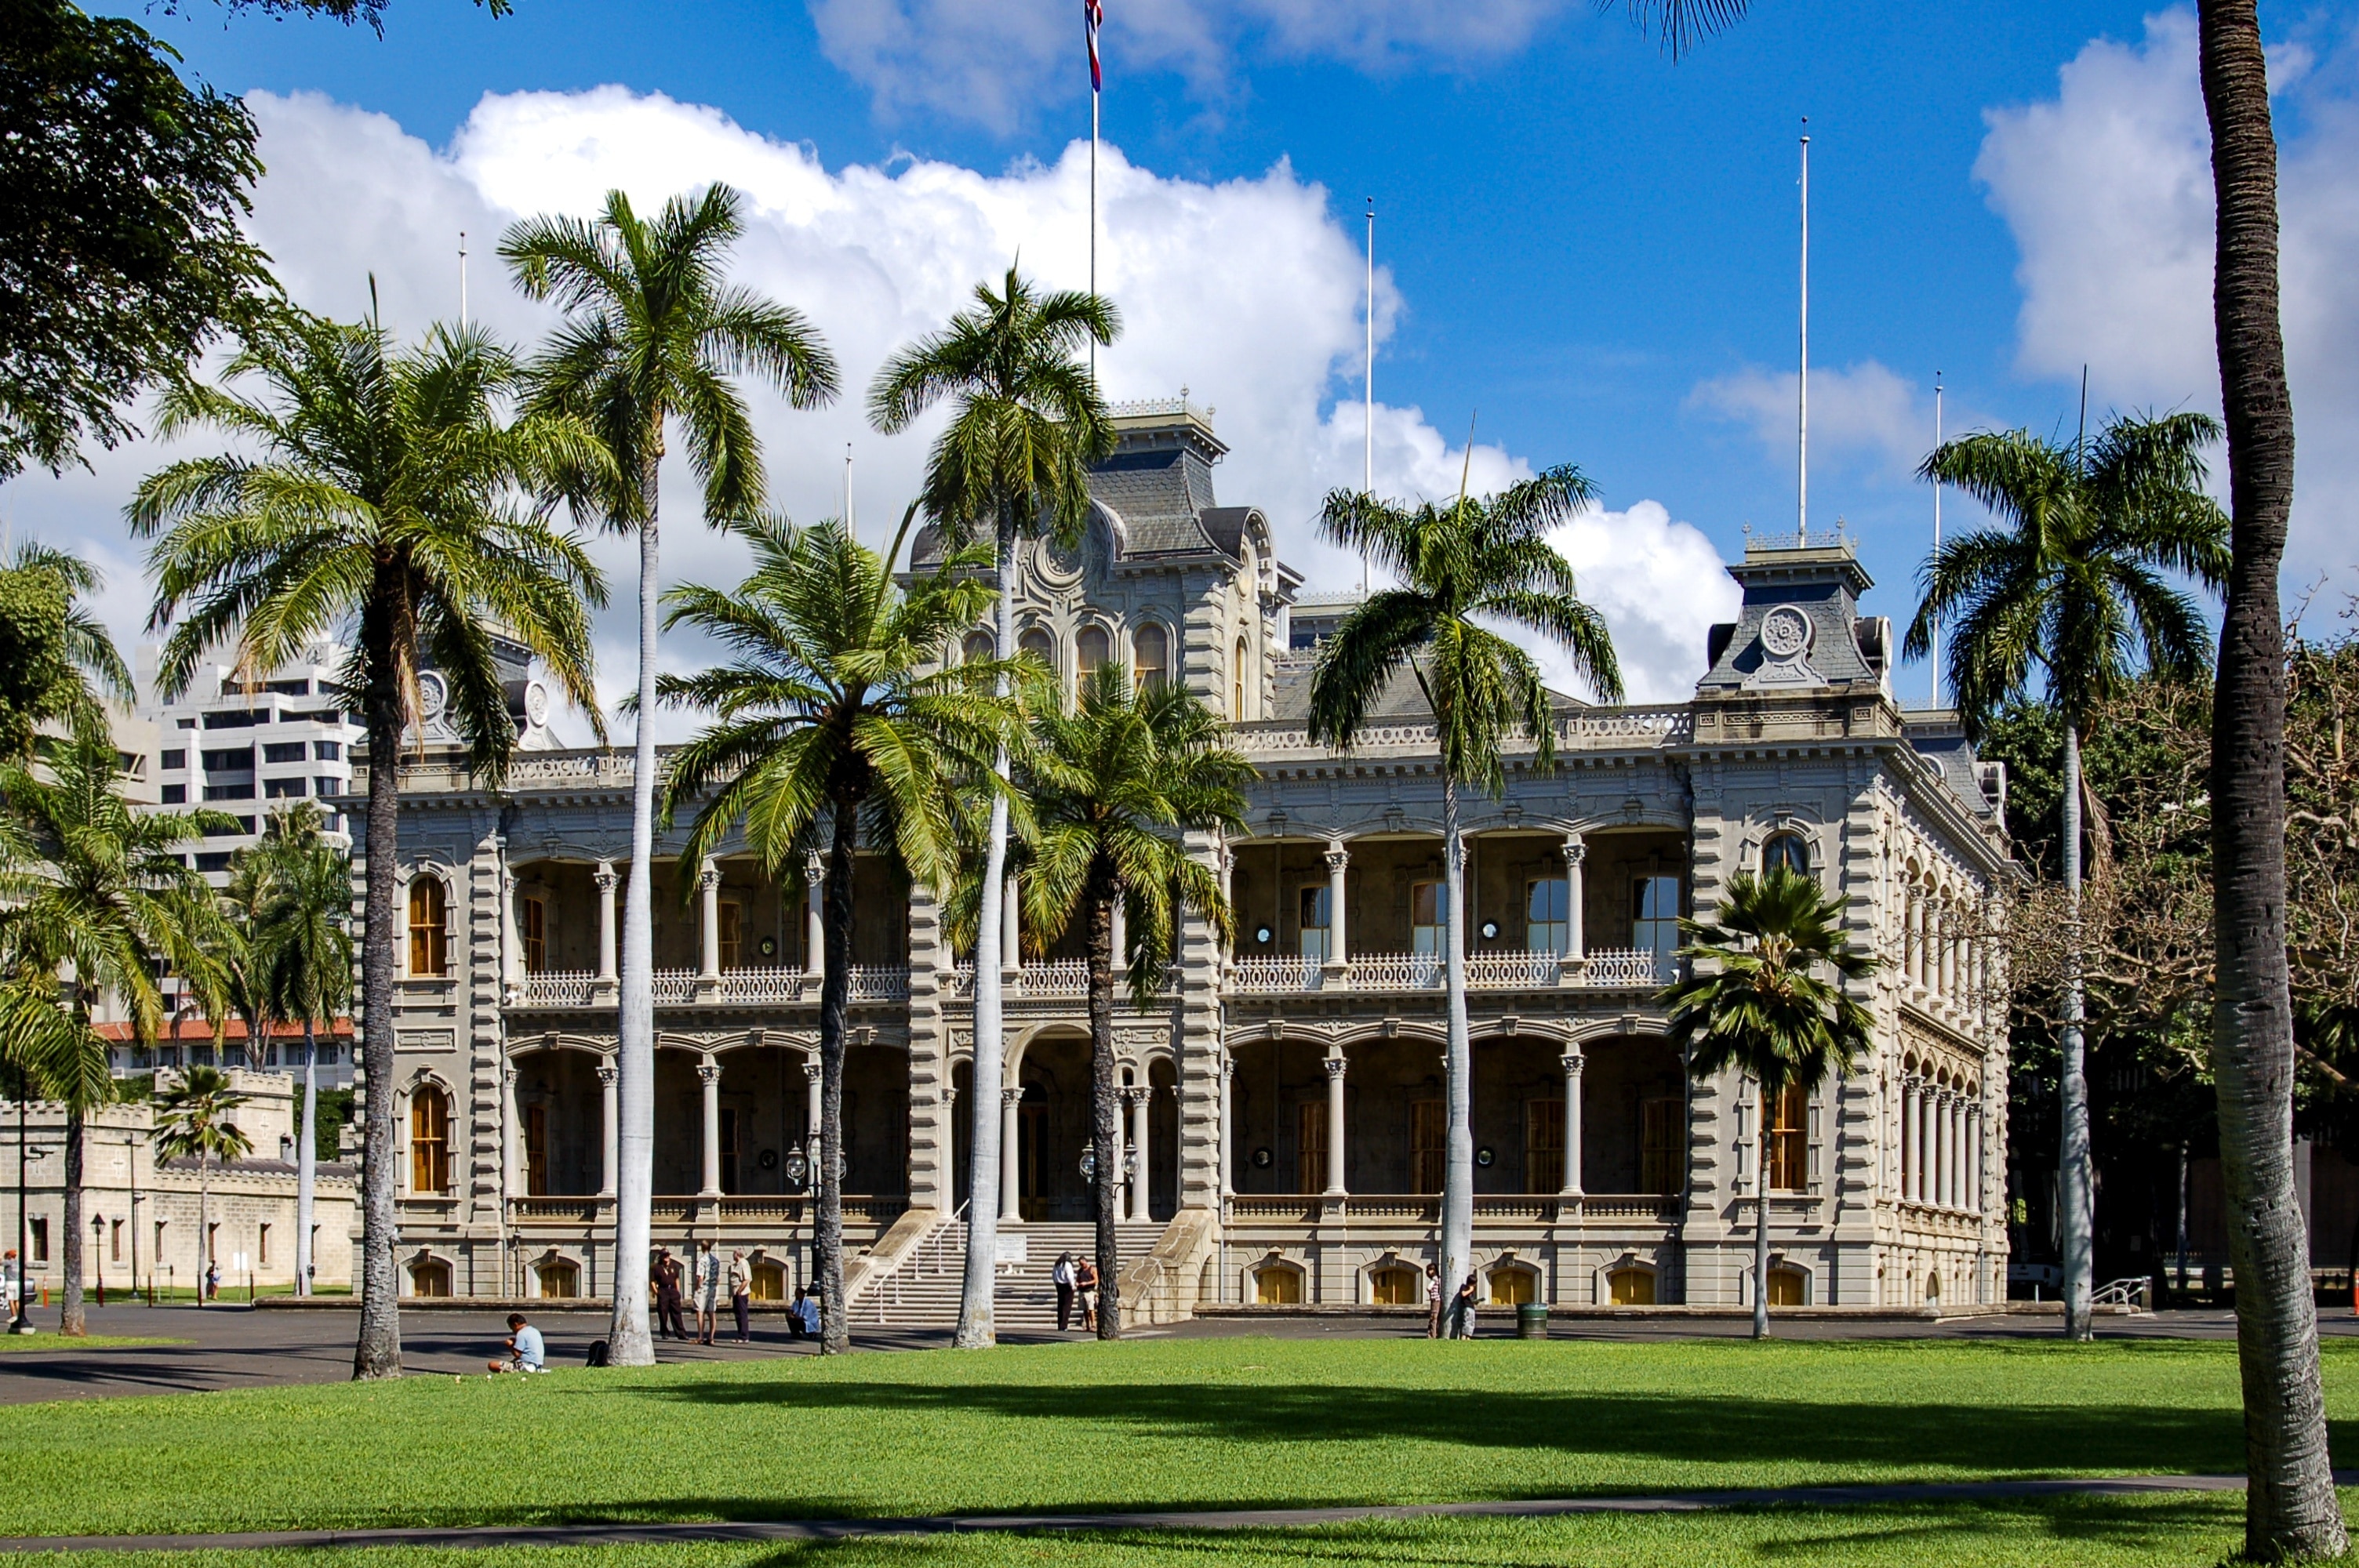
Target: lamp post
97,1257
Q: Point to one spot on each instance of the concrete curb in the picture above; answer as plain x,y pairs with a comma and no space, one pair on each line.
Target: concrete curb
460,1537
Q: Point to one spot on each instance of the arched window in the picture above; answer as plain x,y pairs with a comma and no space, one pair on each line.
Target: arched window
1786,850
1514,1287
1789,1288
979,646
429,1140
1631,1287
1091,649
430,1278
560,1277
1151,655
430,934
1036,643
1789,1138
535,911
1237,681
1395,1286
1278,1285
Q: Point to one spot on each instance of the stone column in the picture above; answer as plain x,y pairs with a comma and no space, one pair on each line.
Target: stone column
708,882
511,934
1139,1098
1121,944
1973,1199
1339,947
1575,852
811,1107
1010,1128
512,1179
605,881
607,1126
1909,1161
708,1073
1011,927
1958,1158
814,937
1228,1129
1573,1061
1335,1065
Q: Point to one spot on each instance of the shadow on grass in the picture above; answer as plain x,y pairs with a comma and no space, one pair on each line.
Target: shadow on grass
1720,1430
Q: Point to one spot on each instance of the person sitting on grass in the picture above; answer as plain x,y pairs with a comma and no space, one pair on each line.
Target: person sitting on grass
526,1352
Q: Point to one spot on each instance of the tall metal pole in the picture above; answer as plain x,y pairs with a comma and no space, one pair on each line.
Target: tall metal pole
1802,434
1937,534
24,1230
1368,395
1093,193
462,280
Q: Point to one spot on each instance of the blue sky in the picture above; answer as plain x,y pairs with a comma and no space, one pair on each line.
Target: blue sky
1591,244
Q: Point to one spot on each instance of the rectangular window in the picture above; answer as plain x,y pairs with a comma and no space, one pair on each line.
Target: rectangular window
1425,919
1544,1144
729,1148
283,752
262,1245
1311,1146
184,724
288,688
238,720
175,795
231,791
1789,1139
1314,907
327,787
40,1242
114,1241
279,789
1428,1141
535,1151
1662,1146
213,860
733,933
430,1140
535,935
176,758
1655,917
327,750
239,759
1546,914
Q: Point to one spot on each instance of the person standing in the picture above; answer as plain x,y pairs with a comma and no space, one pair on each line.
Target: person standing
666,1284
741,1295
707,1280
1085,1291
1062,1277
1433,1301
1462,1310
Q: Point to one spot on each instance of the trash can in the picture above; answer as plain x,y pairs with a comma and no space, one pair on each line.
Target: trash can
1531,1320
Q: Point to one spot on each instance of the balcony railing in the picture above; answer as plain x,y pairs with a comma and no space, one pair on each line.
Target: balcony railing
734,988
1059,979
1411,1209
1606,970
773,984
568,987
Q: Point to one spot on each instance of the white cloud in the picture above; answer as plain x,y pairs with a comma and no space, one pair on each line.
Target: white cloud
993,61
2107,188
1661,586
1865,413
1247,293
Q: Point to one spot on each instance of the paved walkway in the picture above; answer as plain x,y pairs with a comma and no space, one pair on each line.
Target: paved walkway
1241,1519
237,1347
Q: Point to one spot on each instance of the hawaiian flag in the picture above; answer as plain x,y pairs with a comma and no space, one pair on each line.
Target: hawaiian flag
1093,15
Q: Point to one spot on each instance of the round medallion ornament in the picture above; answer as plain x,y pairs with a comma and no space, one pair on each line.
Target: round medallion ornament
431,696
1785,632
535,705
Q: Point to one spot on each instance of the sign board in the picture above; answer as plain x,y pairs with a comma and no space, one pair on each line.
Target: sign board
237,1262
1012,1249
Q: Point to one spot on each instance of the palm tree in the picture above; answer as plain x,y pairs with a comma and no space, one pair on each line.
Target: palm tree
95,902
1028,422
653,334
2073,589
1463,569
375,491
307,949
194,1123
239,956
1765,1009
1111,785
2292,1508
832,720
56,658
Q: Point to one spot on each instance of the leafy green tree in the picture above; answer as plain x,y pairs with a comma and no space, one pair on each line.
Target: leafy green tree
95,902
1112,786
381,490
2074,589
306,946
1027,421
57,661
1465,570
833,721
195,1120
1767,997
653,334
121,246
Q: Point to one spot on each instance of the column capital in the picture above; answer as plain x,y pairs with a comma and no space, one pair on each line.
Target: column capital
1571,1062
1575,849
1228,1066
1135,1094
1338,855
1335,1065
604,876
813,869
709,877
609,1077
709,1072
810,1072
508,1075
1010,1096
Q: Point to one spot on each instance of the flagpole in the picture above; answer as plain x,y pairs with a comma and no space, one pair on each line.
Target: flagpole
1368,395
1802,432
1093,191
462,280
1937,534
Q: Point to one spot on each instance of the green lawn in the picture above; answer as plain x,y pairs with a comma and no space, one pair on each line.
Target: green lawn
47,1341
1192,1423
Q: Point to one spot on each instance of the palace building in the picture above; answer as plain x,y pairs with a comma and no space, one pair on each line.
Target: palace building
1283,1123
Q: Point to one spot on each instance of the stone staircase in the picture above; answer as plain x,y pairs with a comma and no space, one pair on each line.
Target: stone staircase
923,1292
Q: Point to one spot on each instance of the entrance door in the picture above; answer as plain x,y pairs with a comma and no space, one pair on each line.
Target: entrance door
1429,1142
536,1149
1544,1144
729,1148
1032,1131
1311,1146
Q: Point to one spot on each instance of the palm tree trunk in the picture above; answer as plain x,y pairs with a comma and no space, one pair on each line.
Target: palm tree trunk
2290,1509
377,1354
976,1327
1105,1119
628,1340
69,1313
1458,1173
307,1158
1761,1101
834,1003
2075,1187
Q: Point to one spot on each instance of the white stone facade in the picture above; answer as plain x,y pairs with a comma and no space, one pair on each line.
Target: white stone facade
1283,1099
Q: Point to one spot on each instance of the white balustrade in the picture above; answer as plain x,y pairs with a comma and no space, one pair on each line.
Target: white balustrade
1512,970
1066,977
1396,972
880,982
560,988
1266,975
674,988
758,985
1623,967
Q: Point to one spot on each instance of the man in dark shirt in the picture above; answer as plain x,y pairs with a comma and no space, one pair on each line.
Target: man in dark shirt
667,1298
